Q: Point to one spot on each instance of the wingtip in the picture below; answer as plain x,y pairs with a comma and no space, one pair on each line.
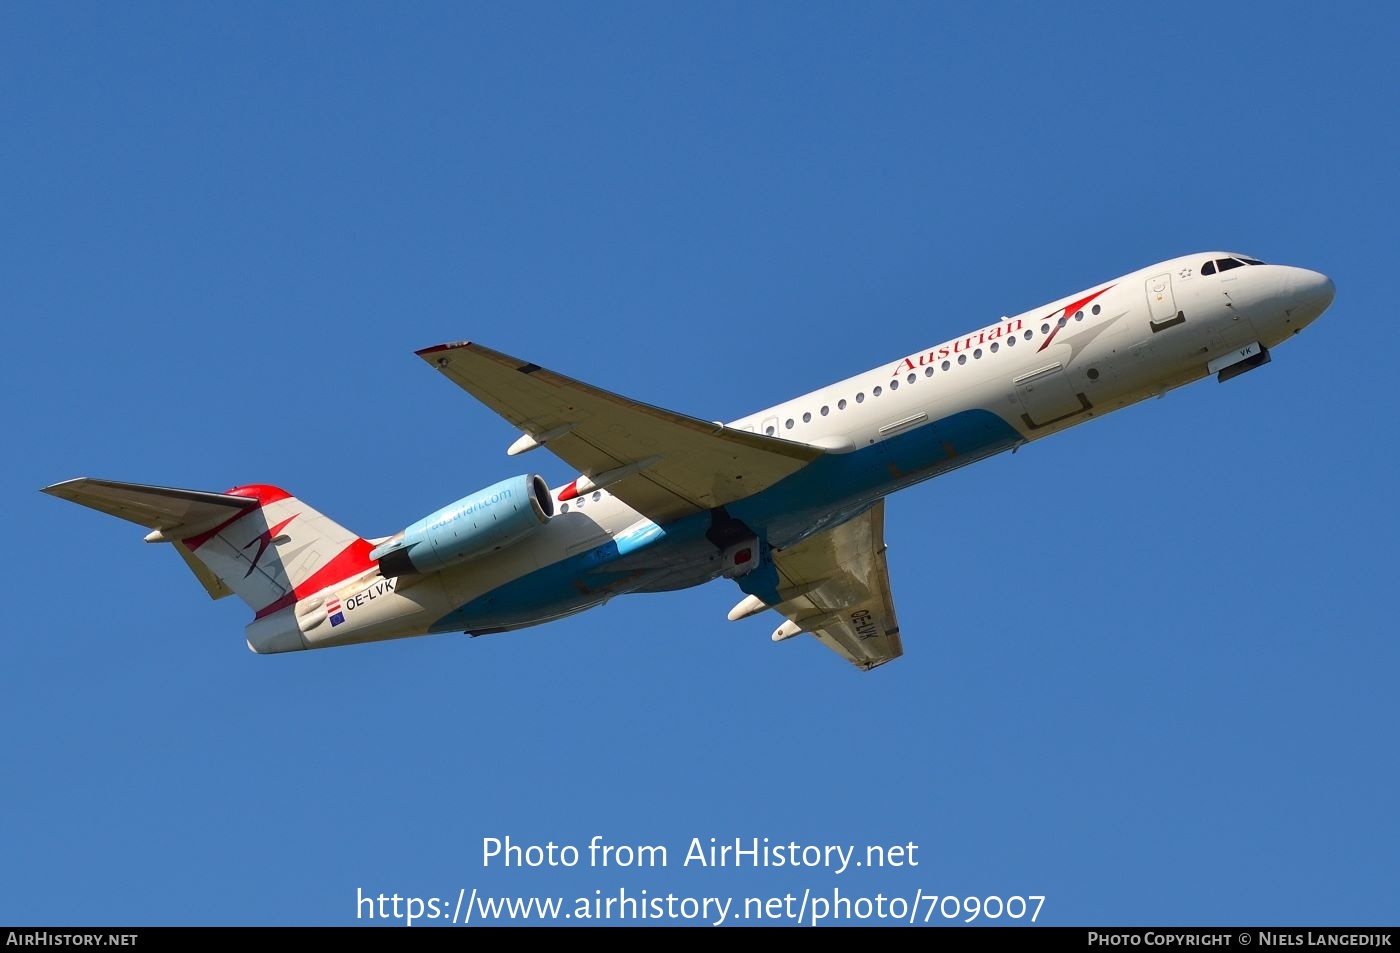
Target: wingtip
56,489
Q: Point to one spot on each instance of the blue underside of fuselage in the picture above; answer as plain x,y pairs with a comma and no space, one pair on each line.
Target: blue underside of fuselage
827,492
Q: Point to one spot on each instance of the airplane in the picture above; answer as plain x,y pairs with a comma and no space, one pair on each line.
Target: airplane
788,502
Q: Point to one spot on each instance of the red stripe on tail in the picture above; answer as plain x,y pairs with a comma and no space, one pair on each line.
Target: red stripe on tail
351,561
261,492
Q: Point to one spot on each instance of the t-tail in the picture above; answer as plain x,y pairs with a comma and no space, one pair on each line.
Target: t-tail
257,542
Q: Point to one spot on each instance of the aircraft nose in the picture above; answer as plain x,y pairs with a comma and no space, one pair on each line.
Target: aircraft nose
1313,289
1303,294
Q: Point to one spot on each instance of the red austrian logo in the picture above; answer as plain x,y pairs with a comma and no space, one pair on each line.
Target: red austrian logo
264,540
1006,329
1064,314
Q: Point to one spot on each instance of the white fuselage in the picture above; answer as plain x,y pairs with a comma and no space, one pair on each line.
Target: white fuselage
1015,380
1109,353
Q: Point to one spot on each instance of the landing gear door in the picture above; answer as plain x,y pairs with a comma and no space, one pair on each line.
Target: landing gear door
1161,303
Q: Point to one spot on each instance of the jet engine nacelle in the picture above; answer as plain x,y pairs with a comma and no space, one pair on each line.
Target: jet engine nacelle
475,525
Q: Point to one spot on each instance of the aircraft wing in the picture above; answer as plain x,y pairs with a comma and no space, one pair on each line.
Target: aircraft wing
836,586
674,465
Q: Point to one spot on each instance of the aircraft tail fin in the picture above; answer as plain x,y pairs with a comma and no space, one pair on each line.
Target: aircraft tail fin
257,542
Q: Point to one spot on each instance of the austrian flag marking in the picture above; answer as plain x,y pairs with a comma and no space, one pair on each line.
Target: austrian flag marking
333,611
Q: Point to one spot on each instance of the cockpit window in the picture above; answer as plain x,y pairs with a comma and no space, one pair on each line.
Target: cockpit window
1225,264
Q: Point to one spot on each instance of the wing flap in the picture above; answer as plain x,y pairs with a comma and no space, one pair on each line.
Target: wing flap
835,586
700,464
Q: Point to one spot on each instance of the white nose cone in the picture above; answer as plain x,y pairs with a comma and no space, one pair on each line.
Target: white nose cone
1309,294
1315,289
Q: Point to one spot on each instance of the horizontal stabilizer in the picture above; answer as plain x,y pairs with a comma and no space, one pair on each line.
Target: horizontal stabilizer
158,507
164,508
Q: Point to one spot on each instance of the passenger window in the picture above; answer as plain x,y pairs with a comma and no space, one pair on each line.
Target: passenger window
912,378
841,404
928,372
1208,268
876,392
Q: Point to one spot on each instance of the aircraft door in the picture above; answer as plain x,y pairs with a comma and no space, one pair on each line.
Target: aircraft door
1048,396
1161,303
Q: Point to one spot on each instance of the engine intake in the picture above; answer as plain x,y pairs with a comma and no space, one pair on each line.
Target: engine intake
475,525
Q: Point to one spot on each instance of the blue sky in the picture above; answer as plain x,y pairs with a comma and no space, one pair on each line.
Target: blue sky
1149,668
